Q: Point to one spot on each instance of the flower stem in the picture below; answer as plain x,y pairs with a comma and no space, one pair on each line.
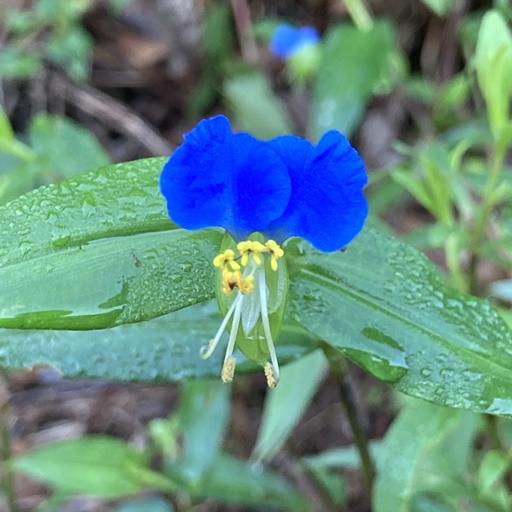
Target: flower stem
359,14
338,369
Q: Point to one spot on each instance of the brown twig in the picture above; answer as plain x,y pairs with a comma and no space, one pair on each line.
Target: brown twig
6,475
98,104
242,15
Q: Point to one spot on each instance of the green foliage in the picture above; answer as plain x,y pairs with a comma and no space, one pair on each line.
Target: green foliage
81,466
165,349
493,62
57,148
405,326
347,79
255,108
440,7
286,404
155,504
218,42
424,443
402,323
49,31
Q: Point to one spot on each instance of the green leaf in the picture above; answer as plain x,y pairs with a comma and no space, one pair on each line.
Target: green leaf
440,7
492,468
285,405
384,305
6,131
493,60
347,457
234,480
415,186
99,250
418,429
334,484
99,466
17,63
153,504
219,36
66,147
160,350
255,107
353,63
71,49
203,416
109,282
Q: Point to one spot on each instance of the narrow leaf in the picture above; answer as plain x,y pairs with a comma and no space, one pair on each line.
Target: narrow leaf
98,466
285,405
418,428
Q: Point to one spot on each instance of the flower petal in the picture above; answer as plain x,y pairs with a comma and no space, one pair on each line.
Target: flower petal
217,178
287,40
327,206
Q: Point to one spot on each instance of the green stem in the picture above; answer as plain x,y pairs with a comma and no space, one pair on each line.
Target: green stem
491,423
338,368
360,15
478,233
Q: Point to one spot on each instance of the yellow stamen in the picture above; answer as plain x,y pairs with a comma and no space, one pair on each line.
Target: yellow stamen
254,248
226,261
245,285
228,369
229,281
275,251
232,280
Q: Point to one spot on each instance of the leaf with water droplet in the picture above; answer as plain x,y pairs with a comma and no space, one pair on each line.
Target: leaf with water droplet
119,260
385,306
159,350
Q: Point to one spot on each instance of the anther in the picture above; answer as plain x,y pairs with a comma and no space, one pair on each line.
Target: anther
228,369
230,280
249,247
271,376
245,285
275,251
225,261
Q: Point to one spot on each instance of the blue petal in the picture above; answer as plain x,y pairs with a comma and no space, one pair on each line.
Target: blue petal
217,178
287,40
327,206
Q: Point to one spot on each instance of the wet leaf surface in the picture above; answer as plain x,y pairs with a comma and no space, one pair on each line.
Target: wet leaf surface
384,305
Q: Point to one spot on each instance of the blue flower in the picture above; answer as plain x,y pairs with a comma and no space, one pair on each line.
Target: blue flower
288,40
281,188
262,193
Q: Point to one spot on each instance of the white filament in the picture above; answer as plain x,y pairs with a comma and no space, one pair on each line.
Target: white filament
234,327
205,354
266,324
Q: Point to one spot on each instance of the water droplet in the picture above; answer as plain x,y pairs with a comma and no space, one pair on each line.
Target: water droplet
426,372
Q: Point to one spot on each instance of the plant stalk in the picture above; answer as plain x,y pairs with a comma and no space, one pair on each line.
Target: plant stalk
478,234
339,369
360,15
